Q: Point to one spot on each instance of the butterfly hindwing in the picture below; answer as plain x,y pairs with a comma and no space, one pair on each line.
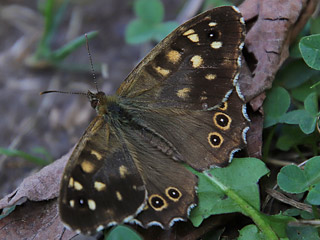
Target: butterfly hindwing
170,186
101,185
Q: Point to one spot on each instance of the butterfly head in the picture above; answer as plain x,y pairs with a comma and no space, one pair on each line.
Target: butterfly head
98,101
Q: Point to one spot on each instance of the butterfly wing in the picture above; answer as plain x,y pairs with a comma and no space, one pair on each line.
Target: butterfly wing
170,186
202,139
180,104
186,89
194,67
101,184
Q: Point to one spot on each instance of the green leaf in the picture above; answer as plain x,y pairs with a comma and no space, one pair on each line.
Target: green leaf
53,13
251,232
293,212
307,215
290,136
163,29
302,233
311,104
278,223
312,170
315,25
314,195
300,93
42,151
294,74
122,232
212,195
308,123
138,32
68,48
292,179
310,50
215,3
293,117
272,107
149,11
295,51
26,156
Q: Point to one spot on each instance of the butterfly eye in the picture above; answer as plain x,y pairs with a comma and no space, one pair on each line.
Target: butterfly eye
94,103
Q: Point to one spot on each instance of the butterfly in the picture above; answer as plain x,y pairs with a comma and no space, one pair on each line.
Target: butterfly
180,106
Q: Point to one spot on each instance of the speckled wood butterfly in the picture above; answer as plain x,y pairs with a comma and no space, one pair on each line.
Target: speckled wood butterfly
180,105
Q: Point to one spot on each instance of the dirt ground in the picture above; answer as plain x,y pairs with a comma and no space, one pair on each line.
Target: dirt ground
55,122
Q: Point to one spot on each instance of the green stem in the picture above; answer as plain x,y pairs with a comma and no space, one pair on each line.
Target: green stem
247,209
267,144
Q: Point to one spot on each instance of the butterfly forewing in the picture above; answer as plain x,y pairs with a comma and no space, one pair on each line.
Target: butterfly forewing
194,66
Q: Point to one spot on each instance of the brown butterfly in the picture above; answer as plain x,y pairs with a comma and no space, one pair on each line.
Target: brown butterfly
180,105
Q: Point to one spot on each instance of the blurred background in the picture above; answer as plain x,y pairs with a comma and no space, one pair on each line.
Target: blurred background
42,47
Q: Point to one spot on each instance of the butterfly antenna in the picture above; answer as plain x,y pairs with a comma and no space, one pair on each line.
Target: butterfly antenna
55,91
90,59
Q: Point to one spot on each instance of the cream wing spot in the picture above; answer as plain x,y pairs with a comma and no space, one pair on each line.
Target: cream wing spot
87,166
183,93
203,96
119,196
162,71
194,38
173,56
71,182
212,24
196,61
210,76
188,32
92,204
96,154
71,203
123,170
99,186
77,186
216,45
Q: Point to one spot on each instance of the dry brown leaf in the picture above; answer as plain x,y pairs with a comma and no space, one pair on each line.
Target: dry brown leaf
44,185
34,220
272,26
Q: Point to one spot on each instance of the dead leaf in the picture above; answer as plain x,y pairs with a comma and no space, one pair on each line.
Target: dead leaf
272,26
44,185
34,220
